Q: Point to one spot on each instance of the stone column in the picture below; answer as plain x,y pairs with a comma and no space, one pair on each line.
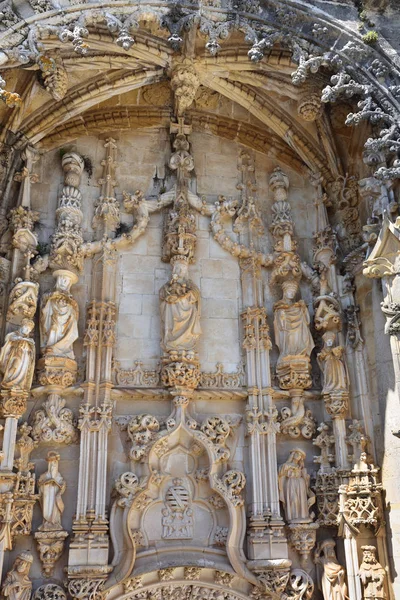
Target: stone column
383,263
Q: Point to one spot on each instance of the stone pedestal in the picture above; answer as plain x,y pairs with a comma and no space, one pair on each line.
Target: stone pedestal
57,370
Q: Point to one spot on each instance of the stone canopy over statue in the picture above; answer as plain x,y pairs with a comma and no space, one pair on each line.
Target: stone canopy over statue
59,317
17,358
180,311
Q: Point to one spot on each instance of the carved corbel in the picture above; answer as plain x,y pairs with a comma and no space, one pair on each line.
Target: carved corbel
297,421
302,537
54,422
49,591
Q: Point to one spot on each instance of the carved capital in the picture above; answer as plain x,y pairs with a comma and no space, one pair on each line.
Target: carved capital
13,403
302,537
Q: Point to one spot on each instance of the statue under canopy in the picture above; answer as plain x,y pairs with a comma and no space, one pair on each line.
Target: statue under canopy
332,578
180,310
59,317
294,488
17,585
291,324
17,358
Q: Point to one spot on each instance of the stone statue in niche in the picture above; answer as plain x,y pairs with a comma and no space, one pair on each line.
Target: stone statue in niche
332,578
294,488
177,516
59,317
17,358
291,324
17,585
51,488
333,366
372,575
180,310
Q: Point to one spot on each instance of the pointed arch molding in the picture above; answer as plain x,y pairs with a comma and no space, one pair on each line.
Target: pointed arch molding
152,34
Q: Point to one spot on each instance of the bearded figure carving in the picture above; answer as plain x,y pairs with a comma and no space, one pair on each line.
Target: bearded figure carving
180,311
332,579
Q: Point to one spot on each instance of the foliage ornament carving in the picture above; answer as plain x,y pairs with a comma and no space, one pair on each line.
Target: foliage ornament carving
300,586
296,421
324,440
142,430
230,486
217,430
49,591
126,486
54,422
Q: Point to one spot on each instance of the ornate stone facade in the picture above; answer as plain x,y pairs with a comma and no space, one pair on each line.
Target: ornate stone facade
199,300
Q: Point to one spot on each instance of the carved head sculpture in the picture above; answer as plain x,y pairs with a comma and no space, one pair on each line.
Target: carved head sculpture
297,456
369,554
52,460
328,548
65,279
27,326
329,338
180,268
290,289
23,562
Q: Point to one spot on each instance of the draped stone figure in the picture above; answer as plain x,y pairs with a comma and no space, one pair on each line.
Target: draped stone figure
294,488
51,488
17,585
372,575
180,311
291,324
332,579
17,358
59,317
333,366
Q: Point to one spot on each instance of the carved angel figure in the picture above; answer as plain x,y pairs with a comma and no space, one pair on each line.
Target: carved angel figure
332,364
294,488
51,488
17,585
332,579
17,358
180,311
291,324
59,317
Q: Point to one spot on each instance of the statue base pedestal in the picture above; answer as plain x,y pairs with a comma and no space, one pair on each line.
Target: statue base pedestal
294,372
302,537
336,403
266,540
13,403
57,370
50,547
181,369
